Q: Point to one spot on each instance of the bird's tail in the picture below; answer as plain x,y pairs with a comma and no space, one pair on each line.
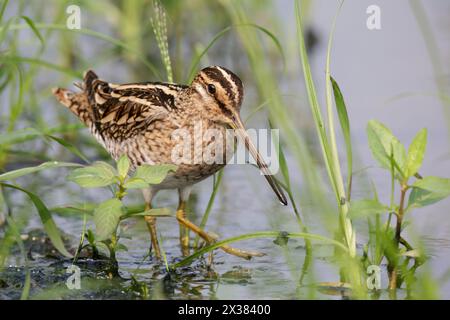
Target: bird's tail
79,102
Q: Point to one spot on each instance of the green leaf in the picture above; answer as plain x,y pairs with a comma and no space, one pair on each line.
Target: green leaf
47,220
121,247
123,166
106,218
135,183
345,126
382,142
416,153
156,212
154,174
19,136
102,247
75,210
428,190
46,165
366,207
27,134
420,198
100,174
91,237
432,183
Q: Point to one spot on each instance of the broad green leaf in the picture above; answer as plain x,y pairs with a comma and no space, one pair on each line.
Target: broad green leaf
100,174
24,171
416,154
345,126
382,142
420,197
428,190
47,220
154,174
366,207
106,218
157,212
102,247
123,166
135,183
432,183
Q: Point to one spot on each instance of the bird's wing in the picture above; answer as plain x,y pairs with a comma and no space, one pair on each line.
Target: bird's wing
122,111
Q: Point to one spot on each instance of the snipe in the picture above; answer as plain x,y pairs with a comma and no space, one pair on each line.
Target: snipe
139,120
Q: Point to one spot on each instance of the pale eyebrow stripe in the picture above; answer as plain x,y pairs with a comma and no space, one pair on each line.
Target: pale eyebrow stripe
204,76
230,80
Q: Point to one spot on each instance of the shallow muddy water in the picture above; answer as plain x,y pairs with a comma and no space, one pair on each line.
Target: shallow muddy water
373,68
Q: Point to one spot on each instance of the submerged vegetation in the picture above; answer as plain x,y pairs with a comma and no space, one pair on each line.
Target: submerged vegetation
149,40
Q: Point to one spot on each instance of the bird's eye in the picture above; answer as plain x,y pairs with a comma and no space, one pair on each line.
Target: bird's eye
211,88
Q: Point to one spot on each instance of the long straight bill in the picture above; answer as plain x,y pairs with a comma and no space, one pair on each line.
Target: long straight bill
242,134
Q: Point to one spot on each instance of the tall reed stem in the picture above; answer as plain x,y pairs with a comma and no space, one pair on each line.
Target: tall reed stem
392,268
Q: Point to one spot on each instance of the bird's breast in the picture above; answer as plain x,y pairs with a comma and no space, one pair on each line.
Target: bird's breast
198,147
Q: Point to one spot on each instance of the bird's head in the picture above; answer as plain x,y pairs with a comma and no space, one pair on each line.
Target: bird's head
222,92
220,88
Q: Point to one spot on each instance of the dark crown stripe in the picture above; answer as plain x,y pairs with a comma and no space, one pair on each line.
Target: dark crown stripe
216,76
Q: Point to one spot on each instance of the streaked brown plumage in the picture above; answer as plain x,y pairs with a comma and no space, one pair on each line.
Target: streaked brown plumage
140,119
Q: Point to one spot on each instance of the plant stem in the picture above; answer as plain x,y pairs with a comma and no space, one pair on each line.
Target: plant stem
392,267
114,266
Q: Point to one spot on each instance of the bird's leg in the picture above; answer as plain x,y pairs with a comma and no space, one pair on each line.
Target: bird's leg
151,223
184,232
184,222
209,239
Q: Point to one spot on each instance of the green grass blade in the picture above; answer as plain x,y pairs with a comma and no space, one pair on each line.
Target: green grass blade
2,9
256,235
270,35
335,163
433,50
159,25
314,102
69,147
11,175
35,30
97,35
28,134
42,63
196,61
217,181
328,145
16,233
49,225
345,127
